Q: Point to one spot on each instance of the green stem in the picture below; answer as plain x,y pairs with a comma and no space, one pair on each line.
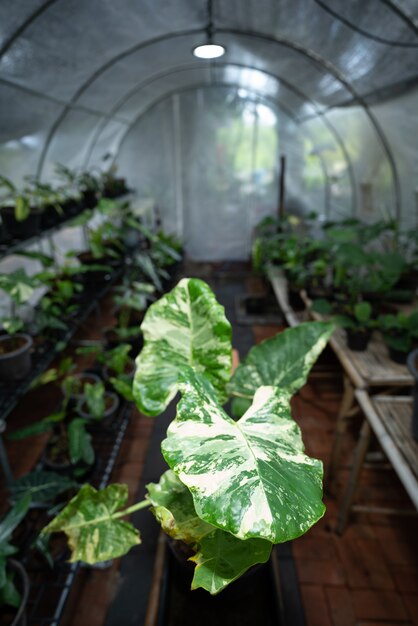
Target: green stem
135,507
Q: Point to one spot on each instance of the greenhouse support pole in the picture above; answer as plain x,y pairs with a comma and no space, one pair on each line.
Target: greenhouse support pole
282,186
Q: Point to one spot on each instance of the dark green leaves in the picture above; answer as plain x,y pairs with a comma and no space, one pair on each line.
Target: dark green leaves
42,486
91,522
186,328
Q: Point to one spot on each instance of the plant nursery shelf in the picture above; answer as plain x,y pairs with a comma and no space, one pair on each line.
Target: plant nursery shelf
50,587
43,355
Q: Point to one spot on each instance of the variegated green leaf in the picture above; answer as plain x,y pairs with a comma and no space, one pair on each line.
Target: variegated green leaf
284,360
173,507
220,557
187,327
251,477
91,522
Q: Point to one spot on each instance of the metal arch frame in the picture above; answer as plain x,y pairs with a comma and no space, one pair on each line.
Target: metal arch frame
396,9
28,21
258,98
306,53
215,65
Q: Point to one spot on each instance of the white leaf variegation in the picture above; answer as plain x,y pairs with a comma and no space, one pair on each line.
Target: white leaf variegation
220,557
187,327
250,478
284,361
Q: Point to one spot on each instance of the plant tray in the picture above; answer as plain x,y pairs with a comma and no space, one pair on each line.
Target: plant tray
253,309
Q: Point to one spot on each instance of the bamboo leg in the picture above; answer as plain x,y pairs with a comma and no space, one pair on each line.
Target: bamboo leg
359,456
341,427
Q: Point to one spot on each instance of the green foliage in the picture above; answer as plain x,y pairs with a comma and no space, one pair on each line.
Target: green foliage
79,443
284,361
219,556
41,485
91,522
94,396
399,331
185,328
9,595
235,488
214,456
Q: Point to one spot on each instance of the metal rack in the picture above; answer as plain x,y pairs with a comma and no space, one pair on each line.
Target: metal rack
51,587
42,357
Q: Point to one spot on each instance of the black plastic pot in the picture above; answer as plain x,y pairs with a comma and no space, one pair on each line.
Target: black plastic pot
84,378
23,586
15,356
358,340
113,340
412,363
89,199
399,356
24,229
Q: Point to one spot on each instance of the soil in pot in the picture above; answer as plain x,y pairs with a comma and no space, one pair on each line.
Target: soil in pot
24,229
56,458
358,340
15,356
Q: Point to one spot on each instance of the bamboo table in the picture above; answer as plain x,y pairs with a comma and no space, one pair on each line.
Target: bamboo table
389,417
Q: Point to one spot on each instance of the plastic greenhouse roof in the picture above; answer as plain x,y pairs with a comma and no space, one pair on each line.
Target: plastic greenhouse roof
76,76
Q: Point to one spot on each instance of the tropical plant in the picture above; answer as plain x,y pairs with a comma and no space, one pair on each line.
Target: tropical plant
19,286
234,488
400,330
69,435
20,199
9,594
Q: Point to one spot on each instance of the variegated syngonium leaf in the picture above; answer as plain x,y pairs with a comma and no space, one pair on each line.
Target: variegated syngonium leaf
284,360
90,521
251,477
220,557
187,327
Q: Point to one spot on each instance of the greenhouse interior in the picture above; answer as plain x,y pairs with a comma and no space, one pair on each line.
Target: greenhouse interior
209,312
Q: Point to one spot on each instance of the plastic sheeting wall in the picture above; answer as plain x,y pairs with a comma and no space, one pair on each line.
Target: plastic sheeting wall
76,76
208,159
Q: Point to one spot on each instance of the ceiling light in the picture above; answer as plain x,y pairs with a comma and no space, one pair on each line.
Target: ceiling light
209,50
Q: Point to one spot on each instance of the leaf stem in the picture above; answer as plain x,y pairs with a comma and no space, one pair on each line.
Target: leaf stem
135,507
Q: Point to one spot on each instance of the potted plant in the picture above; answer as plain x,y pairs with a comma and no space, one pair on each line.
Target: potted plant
234,489
399,333
15,346
99,406
14,581
356,319
20,217
112,185
69,447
